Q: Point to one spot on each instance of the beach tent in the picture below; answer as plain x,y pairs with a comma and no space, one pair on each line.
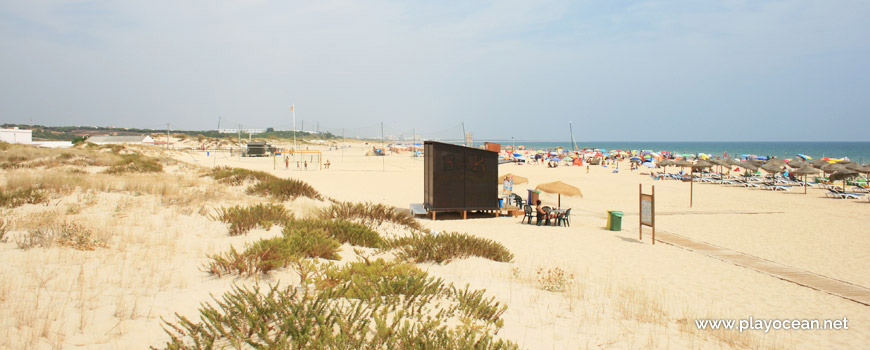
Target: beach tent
560,188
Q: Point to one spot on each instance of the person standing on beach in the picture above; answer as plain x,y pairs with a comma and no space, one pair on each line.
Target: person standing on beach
306,165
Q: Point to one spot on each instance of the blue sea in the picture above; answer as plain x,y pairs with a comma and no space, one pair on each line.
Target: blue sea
855,151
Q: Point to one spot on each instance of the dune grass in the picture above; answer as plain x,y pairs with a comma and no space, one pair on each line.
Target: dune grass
268,254
70,235
135,163
264,184
237,176
243,219
342,231
4,227
364,305
14,156
444,247
21,196
369,214
284,189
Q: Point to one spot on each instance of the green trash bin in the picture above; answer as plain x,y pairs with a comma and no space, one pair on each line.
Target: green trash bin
614,220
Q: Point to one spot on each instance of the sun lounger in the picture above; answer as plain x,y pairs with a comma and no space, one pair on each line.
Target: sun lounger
836,193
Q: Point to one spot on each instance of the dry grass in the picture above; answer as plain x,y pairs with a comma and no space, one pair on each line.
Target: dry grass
21,196
70,235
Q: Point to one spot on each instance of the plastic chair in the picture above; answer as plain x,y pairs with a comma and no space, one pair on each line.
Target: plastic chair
529,213
563,218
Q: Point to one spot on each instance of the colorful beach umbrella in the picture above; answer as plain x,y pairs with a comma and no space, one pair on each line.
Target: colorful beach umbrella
805,157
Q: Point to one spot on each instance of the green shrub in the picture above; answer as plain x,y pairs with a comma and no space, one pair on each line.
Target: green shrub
302,318
241,220
370,214
312,243
21,196
448,246
268,254
237,176
284,189
135,163
342,230
376,279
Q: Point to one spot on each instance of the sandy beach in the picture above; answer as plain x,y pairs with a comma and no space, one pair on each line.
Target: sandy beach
624,294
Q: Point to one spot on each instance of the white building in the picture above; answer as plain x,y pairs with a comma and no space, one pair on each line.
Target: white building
120,140
16,135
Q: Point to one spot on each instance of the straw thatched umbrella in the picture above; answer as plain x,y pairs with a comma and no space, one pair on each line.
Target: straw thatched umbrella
843,175
819,163
775,161
752,166
664,163
832,167
806,170
772,168
682,164
797,164
560,188
517,179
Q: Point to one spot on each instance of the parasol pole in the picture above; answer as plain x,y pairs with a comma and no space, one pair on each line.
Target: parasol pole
691,186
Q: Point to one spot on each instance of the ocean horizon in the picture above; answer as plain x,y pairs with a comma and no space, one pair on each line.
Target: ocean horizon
855,151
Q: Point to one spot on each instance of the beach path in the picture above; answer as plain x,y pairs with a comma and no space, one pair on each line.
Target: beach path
804,278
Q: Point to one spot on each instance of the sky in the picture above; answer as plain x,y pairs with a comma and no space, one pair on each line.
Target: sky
618,70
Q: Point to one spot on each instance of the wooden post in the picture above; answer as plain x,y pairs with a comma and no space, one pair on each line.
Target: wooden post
464,213
640,212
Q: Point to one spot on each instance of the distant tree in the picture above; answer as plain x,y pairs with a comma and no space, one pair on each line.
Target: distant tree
270,129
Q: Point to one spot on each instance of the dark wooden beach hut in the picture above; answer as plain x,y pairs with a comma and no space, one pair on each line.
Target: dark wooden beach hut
459,179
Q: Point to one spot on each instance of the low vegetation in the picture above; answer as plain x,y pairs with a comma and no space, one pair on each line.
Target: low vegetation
265,184
237,176
135,163
342,231
269,254
21,196
26,156
4,228
284,189
370,214
70,235
364,305
445,247
242,219
554,279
